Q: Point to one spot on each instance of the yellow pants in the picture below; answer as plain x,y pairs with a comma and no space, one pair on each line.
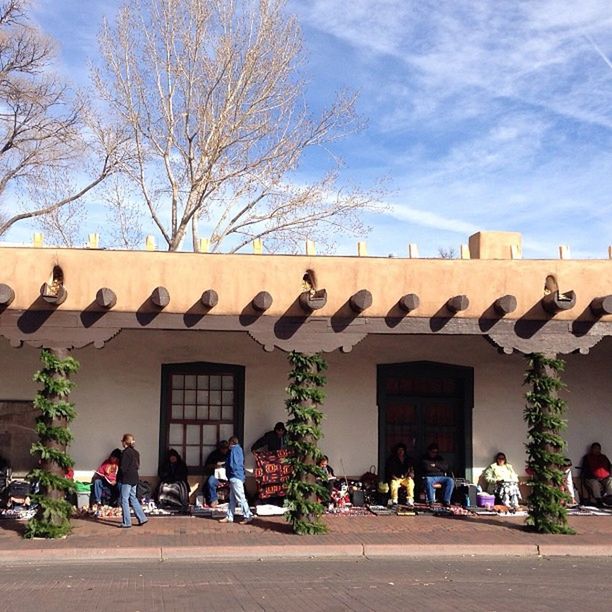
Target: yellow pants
396,483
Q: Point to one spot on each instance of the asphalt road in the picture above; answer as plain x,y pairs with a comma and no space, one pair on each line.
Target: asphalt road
471,583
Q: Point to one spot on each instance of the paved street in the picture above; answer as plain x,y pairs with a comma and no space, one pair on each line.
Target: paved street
463,583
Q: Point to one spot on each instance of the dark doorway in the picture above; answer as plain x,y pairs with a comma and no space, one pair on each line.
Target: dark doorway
424,402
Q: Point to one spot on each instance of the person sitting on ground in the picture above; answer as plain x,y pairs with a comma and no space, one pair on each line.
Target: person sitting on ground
433,471
272,441
597,474
104,482
330,477
400,471
502,481
174,472
215,460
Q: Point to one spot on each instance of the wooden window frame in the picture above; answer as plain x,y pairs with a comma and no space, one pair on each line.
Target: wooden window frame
201,368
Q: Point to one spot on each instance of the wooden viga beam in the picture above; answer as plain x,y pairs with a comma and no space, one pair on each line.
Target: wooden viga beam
556,301
360,301
262,301
600,306
160,297
209,298
106,298
313,300
457,303
505,305
7,295
409,302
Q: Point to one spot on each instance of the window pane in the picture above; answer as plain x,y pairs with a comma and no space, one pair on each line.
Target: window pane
177,381
175,434
190,412
228,382
190,382
177,396
202,413
215,398
190,397
228,413
192,456
215,382
192,434
202,382
215,413
228,398
226,431
203,397
209,434
177,411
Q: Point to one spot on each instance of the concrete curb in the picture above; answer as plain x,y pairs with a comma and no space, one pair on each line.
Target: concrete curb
241,553
298,551
377,551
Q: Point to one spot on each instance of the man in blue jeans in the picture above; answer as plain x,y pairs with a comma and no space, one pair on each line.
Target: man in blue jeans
433,471
234,468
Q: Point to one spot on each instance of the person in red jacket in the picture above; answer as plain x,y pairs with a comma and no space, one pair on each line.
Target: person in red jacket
596,473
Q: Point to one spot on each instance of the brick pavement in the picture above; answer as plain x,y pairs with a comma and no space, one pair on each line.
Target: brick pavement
372,536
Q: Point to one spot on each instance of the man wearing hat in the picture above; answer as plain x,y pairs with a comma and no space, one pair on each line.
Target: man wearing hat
272,441
214,460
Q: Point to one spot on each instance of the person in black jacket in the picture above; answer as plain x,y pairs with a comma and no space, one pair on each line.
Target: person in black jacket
272,440
433,471
128,476
173,472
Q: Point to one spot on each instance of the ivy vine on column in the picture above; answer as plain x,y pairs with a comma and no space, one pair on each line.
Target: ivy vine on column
52,519
305,396
544,417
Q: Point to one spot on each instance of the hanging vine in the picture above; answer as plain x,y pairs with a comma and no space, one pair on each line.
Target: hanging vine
56,412
544,417
305,396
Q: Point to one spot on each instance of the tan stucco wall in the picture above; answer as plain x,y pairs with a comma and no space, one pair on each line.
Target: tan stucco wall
118,390
238,278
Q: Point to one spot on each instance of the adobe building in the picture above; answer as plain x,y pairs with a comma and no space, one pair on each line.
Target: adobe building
184,349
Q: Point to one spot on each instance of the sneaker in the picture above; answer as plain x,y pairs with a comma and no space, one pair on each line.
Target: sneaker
225,520
214,504
247,520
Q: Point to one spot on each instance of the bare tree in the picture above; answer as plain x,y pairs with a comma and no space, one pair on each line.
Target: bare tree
45,132
209,93
447,253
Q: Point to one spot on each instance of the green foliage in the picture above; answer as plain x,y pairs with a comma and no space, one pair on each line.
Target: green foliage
304,397
544,417
52,518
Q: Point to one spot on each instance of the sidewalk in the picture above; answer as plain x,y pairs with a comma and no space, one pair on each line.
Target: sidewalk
164,538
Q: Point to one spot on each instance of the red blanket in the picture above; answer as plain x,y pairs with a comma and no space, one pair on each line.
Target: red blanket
271,473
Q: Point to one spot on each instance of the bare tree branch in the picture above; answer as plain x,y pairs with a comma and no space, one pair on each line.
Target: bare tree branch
210,95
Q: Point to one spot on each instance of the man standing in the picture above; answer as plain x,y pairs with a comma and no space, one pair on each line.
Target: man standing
272,441
234,467
433,470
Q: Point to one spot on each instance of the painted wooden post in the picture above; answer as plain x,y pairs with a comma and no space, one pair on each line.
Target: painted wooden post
150,243
37,240
257,246
465,251
93,241
362,249
310,247
413,251
203,245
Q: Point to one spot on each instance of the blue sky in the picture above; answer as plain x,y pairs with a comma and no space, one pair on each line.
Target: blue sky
492,115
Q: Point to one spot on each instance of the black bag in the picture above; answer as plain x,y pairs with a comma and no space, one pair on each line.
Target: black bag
173,494
19,489
358,498
143,490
